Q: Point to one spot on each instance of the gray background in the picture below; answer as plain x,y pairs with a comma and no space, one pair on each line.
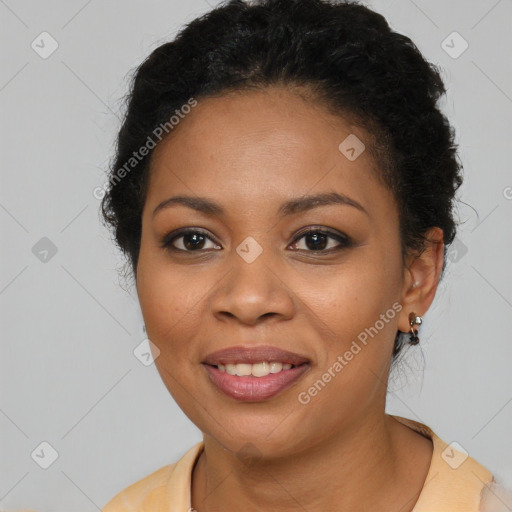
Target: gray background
68,374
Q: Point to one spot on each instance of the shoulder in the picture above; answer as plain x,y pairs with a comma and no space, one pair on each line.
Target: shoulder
455,481
133,497
496,498
167,488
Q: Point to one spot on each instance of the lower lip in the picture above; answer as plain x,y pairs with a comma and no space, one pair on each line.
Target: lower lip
254,389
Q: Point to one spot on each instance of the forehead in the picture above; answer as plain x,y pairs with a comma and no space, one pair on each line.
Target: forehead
259,147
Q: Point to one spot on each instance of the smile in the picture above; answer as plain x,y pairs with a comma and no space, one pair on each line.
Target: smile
254,382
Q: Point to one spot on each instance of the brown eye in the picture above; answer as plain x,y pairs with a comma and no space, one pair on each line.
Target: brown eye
188,240
321,240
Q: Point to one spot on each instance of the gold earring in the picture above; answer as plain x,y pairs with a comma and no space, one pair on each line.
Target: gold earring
413,336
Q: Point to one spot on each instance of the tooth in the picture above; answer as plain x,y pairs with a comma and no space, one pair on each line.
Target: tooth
275,367
230,368
260,369
243,369
257,370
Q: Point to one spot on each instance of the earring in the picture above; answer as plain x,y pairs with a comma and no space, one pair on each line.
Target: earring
413,336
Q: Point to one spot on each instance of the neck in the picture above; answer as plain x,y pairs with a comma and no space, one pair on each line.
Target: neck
356,469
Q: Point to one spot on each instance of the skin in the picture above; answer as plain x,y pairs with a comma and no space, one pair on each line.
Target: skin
250,152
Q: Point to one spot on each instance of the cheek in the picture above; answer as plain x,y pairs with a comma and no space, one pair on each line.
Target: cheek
170,307
169,302
357,306
351,297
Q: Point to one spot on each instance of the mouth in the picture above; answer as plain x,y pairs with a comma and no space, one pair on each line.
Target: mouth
253,374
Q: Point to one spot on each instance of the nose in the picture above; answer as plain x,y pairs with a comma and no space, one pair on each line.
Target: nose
252,292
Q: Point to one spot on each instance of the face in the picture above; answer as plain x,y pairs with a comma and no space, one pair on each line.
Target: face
249,274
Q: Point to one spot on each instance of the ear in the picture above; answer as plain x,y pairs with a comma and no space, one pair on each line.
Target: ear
421,277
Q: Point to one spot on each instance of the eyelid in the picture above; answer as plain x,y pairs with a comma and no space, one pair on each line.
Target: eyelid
323,230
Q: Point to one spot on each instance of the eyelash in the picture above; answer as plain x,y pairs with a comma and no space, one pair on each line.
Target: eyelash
344,240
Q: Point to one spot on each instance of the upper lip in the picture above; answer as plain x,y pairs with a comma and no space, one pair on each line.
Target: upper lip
253,354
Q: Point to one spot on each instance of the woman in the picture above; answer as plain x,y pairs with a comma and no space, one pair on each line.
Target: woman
283,188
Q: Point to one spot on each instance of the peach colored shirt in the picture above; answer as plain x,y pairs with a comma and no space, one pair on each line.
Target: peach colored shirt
454,482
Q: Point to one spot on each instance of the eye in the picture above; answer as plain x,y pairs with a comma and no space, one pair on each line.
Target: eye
317,240
190,240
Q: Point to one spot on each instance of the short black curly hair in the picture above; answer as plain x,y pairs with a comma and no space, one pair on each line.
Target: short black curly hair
350,61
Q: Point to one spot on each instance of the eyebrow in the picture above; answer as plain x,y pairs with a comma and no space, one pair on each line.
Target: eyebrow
291,207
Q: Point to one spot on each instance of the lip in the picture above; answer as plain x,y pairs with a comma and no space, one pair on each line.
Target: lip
249,388
254,354
254,389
